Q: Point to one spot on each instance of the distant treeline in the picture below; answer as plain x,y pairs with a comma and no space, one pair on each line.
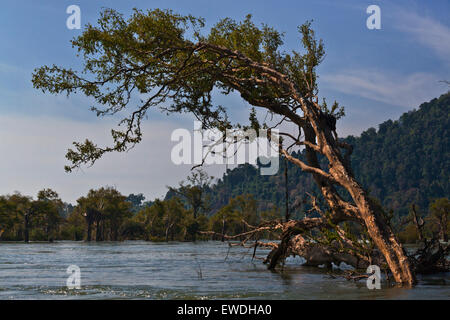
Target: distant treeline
403,162
107,215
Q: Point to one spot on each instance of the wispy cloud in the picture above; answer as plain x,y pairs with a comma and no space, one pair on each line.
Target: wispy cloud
427,31
33,156
8,69
391,86
394,89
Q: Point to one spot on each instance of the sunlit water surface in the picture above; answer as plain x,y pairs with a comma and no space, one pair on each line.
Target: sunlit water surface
202,270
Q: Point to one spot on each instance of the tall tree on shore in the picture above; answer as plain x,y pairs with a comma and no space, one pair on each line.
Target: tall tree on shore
23,208
152,55
89,207
193,191
440,212
106,209
15,217
48,207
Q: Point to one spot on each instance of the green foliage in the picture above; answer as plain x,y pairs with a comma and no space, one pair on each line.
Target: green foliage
335,110
166,220
234,217
440,215
409,234
73,228
194,192
434,224
44,216
170,62
152,58
405,161
137,202
440,208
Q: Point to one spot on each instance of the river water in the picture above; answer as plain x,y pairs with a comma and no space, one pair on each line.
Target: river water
202,270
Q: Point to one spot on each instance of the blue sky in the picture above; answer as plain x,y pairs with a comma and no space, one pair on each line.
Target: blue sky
376,74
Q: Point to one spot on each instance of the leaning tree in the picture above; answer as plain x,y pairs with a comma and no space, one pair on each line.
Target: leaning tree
159,59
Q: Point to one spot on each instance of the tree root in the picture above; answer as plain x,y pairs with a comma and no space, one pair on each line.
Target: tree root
431,258
297,241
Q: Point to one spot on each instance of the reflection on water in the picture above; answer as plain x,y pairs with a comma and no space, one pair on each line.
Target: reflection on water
203,270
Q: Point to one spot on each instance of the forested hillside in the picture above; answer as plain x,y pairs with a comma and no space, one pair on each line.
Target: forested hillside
404,161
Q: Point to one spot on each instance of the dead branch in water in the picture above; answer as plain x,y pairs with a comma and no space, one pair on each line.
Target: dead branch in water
330,245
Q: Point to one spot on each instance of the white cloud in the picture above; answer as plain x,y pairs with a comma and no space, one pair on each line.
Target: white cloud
33,150
427,31
394,89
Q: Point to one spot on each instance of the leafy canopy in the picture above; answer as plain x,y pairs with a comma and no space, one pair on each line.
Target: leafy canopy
160,59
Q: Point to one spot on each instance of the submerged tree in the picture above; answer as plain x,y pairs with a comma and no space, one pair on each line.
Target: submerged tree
440,212
194,193
151,55
16,212
106,209
236,217
164,220
48,207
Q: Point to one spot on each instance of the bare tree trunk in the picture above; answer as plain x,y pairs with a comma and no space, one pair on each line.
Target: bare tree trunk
98,232
363,209
317,254
287,215
89,230
49,235
377,227
417,222
223,230
444,228
319,127
384,238
169,226
26,228
194,235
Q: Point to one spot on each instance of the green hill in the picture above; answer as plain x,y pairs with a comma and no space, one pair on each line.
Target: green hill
402,162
